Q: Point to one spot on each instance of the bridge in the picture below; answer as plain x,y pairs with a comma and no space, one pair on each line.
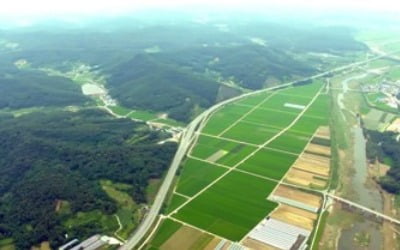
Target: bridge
365,209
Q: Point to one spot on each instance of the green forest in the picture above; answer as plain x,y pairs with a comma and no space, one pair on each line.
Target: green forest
32,88
46,157
180,69
386,149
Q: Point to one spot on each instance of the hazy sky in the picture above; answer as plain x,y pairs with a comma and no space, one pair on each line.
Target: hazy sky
46,7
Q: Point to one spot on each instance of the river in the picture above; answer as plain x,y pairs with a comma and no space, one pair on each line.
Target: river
367,196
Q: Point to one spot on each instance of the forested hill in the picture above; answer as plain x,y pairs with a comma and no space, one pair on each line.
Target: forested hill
145,83
385,148
50,157
180,67
30,88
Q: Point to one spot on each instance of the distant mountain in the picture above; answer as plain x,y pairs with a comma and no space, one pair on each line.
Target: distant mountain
146,83
30,88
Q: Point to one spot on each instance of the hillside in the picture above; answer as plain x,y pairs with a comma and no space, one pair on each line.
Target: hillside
47,158
148,84
29,88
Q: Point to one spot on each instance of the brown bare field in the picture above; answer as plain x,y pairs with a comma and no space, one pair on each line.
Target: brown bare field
318,149
316,159
304,178
312,167
297,195
212,244
257,245
323,132
295,216
184,238
217,155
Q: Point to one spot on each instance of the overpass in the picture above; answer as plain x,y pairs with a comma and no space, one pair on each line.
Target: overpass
364,209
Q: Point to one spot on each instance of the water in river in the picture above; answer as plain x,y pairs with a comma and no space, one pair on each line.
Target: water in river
362,231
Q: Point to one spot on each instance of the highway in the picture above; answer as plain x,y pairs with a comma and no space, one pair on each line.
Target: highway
189,136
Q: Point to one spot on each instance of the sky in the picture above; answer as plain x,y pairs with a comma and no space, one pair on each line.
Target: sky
20,8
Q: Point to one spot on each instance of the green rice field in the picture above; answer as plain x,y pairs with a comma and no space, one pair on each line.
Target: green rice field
224,117
246,142
174,203
290,141
196,175
231,207
269,163
167,229
207,146
250,132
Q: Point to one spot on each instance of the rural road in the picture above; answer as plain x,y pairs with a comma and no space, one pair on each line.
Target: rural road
187,139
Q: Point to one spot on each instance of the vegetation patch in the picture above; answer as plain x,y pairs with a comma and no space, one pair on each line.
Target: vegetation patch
57,159
250,132
167,228
254,99
208,146
231,207
290,141
223,118
268,163
143,115
304,90
270,118
175,201
278,101
196,175
119,110
308,125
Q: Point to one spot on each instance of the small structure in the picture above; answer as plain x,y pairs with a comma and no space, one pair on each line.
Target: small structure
280,234
294,106
91,243
69,244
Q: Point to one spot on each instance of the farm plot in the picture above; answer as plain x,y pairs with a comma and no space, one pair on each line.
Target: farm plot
231,207
269,163
286,103
254,99
166,230
187,238
174,203
317,149
298,196
290,141
270,118
250,132
319,108
308,125
207,146
196,175
308,90
295,216
225,117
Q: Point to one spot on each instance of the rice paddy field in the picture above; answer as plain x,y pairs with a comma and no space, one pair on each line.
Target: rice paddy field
240,156
231,206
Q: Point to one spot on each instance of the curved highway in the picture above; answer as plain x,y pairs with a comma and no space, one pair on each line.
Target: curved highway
188,138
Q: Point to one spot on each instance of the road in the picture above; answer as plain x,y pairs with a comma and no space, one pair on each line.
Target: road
188,137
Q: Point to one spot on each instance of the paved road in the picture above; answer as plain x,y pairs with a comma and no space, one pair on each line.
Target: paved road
188,137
